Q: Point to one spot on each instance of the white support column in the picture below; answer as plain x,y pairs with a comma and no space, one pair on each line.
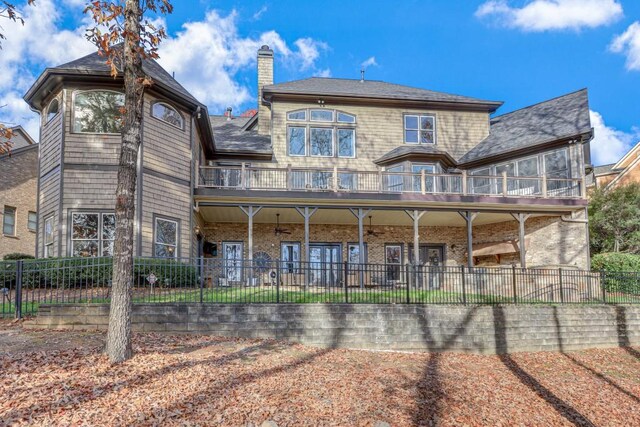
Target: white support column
250,211
469,217
306,213
522,218
415,215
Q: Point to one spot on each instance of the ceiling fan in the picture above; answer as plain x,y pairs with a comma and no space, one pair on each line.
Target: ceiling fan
371,231
278,230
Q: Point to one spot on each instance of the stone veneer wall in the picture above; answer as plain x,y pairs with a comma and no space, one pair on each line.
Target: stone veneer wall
552,241
479,329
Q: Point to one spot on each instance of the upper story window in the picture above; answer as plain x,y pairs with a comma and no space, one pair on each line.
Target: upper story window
326,133
97,111
168,114
9,221
419,129
321,115
300,115
32,221
52,109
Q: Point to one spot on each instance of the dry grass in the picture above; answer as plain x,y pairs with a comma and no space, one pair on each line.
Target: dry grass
61,378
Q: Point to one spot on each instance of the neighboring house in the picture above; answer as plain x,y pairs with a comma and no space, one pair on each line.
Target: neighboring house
328,171
625,171
18,189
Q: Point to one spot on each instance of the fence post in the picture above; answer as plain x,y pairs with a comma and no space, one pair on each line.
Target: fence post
513,281
18,298
346,282
278,275
602,286
560,283
464,286
201,262
409,267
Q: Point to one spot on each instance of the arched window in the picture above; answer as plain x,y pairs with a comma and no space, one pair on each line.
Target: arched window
97,111
168,114
52,109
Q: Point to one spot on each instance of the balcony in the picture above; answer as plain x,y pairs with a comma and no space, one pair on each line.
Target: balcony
385,182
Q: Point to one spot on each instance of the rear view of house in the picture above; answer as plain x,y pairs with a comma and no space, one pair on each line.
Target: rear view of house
326,172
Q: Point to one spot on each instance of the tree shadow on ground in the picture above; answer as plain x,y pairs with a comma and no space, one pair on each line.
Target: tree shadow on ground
429,387
560,406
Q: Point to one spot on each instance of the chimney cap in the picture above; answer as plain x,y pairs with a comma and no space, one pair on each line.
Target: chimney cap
265,50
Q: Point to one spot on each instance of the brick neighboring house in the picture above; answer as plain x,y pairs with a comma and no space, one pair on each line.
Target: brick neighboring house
625,171
18,180
327,171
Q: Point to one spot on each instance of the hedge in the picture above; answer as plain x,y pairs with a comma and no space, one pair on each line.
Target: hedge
16,256
96,272
622,271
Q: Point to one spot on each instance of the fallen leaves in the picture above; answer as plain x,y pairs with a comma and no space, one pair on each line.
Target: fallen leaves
62,378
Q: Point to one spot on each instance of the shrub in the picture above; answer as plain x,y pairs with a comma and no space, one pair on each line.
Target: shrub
16,256
622,271
169,273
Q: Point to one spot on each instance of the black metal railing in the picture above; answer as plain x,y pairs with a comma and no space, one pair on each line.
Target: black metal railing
27,284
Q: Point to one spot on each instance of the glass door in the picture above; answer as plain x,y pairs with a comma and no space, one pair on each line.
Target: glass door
325,264
430,262
232,257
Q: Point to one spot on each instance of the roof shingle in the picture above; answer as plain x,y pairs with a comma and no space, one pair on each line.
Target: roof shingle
563,117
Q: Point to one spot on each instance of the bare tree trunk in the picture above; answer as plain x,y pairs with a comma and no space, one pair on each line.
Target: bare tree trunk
118,346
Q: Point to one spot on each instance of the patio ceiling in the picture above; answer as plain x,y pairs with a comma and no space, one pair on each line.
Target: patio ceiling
232,214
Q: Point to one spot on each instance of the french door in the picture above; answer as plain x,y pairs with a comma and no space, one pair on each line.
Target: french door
430,258
325,264
232,257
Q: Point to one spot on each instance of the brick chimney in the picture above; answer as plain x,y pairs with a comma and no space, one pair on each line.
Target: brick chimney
265,77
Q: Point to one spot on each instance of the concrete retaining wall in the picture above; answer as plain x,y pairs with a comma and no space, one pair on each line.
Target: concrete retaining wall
481,329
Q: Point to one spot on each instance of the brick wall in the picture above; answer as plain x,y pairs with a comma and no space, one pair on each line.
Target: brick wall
478,329
18,175
551,241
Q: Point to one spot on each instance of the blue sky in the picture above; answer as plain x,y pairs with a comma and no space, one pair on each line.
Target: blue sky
518,51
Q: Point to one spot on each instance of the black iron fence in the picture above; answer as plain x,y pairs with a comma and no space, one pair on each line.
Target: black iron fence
27,284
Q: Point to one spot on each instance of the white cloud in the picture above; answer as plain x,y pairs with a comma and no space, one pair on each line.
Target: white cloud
547,15
256,16
610,144
207,55
369,62
628,43
39,43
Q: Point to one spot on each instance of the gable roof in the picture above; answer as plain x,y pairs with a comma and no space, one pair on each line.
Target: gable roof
232,137
628,158
324,86
559,118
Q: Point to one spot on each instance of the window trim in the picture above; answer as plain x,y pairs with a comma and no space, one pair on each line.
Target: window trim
73,111
45,253
567,161
333,115
306,129
166,104
337,142
100,239
47,119
338,112
419,116
333,141
15,220
303,110
155,235
357,245
33,230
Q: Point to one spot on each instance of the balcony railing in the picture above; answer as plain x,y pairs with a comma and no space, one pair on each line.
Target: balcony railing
355,181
